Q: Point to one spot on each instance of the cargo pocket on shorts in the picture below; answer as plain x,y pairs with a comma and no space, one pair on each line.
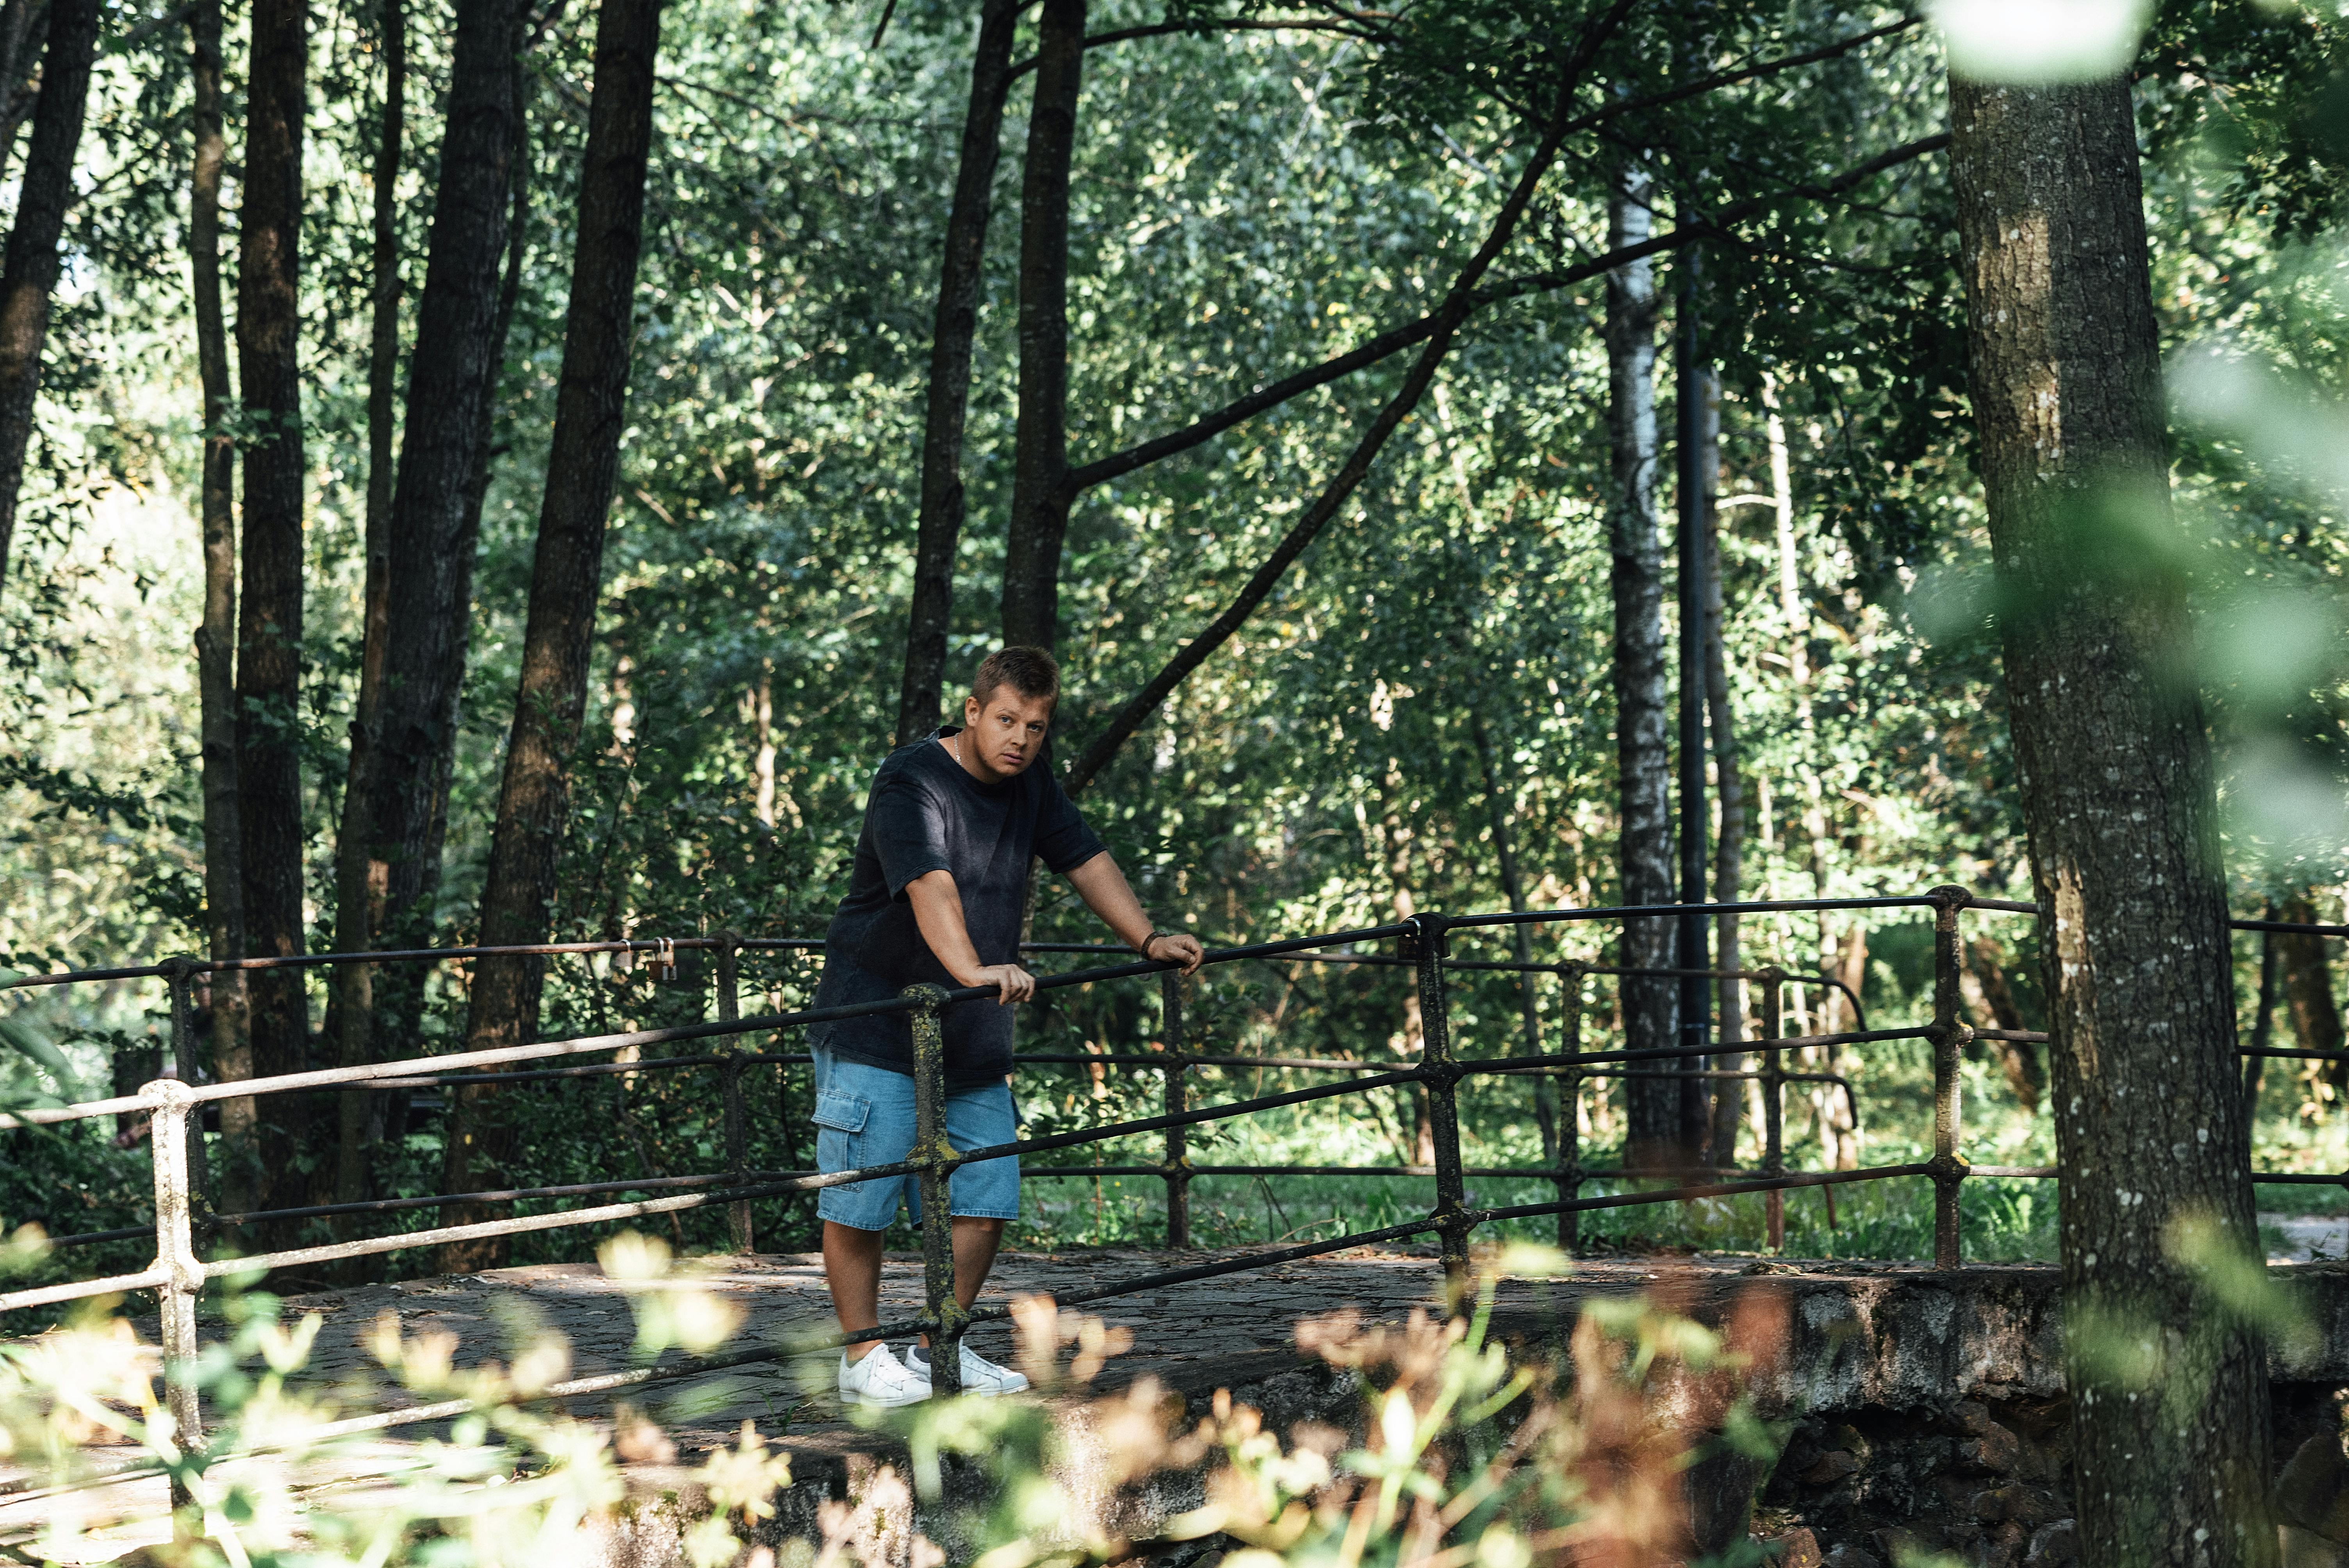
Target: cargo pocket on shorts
840,1122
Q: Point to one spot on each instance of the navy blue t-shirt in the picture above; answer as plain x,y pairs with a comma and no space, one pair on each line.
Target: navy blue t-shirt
926,813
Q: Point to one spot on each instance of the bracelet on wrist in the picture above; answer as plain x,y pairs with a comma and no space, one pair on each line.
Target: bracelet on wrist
1155,934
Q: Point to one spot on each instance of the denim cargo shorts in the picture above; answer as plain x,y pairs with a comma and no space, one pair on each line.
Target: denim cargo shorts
864,1116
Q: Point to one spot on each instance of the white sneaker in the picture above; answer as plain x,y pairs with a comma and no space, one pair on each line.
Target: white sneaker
979,1375
881,1379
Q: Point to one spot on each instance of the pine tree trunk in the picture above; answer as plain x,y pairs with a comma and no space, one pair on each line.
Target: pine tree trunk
269,615
451,377
358,896
939,533
1642,751
2171,1463
216,636
566,576
30,271
1040,496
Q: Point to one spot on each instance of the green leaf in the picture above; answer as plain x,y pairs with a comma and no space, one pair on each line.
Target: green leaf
20,1032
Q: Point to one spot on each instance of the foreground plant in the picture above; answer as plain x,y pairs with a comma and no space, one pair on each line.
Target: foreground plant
1470,1454
279,1479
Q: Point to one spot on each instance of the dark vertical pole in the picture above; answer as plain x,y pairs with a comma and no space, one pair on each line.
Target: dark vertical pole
1949,1036
1774,1105
2263,1021
1178,1100
180,974
933,1156
1569,1110
1696,991
1443,1107
737,1132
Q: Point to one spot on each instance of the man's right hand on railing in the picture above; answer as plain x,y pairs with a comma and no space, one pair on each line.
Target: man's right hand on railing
1014,984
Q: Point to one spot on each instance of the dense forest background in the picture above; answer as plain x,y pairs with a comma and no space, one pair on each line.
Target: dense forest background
1421,714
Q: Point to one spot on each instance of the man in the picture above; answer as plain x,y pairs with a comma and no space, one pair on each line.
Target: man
952,824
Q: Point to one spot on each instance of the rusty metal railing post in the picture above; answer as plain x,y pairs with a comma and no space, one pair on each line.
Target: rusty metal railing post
1441,1074
1569,1110
1178,1100
738,1138
1773,1103
1949,1036
169,1136
180,977
931,1155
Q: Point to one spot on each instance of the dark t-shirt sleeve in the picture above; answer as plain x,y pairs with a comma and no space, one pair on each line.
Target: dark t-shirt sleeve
909,832
1063,843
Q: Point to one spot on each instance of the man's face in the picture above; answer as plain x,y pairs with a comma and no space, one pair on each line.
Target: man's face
1005,735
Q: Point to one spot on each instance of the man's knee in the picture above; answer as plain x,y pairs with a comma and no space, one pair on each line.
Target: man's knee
982,1224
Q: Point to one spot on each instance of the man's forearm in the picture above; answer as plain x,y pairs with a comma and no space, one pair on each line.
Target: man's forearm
938,911
1106,892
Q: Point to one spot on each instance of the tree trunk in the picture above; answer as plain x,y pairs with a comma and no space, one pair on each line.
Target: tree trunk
358,896
1496,804
1041,495
1729,791
216,636
269,618
21,21
451,376
30,271
2308,991
1983,984
566,577
2171,1463
939,533
1643,758
762,755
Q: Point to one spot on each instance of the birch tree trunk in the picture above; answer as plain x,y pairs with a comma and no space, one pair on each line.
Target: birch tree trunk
1729,792
1643,758
216,636
2171,1460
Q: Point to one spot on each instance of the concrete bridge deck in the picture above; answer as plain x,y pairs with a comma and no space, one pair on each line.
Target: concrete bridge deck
1929,1352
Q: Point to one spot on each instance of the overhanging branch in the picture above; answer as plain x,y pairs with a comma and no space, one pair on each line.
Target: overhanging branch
1464,298
1386,344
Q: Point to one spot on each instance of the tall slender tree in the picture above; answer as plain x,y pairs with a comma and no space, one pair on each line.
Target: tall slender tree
451,374
269,615
358,896
1040,494
954,328
567,572
1728,787
216,635
29,273
2171,1462
1642,747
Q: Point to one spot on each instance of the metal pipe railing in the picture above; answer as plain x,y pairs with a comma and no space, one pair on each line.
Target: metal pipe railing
179,1273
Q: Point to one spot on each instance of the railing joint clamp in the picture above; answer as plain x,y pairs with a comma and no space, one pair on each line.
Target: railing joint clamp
1947,1168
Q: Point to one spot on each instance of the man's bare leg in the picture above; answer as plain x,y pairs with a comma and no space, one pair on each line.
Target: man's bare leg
975,1242
851,1268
